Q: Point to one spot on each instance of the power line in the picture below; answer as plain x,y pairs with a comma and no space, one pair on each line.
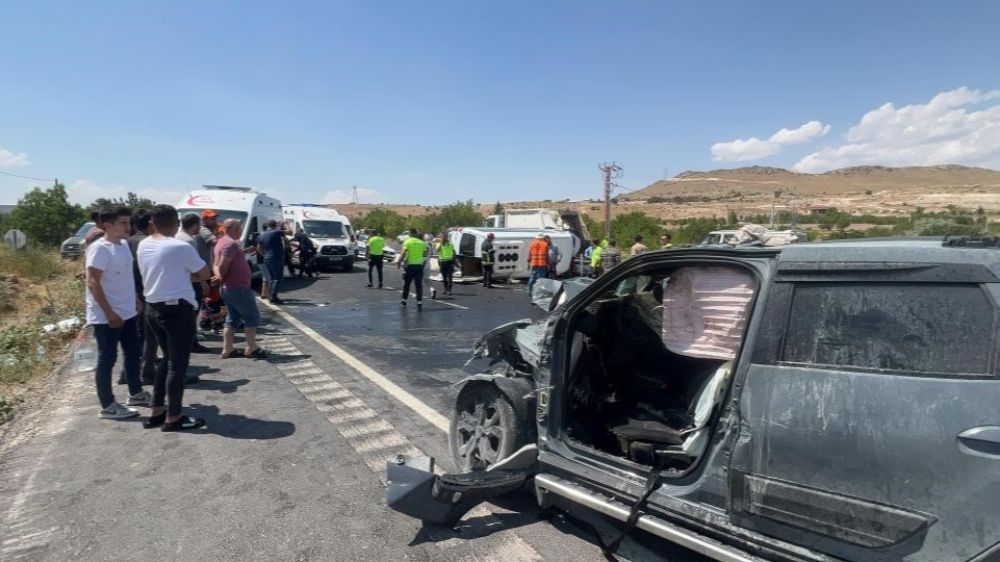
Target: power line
27,177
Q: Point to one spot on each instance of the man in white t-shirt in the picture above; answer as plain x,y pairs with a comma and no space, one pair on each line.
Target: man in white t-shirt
113,310
168,266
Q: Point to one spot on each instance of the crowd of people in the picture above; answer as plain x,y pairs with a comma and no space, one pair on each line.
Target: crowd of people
152,278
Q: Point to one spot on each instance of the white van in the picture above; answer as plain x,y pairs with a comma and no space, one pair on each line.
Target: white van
252,208
329,230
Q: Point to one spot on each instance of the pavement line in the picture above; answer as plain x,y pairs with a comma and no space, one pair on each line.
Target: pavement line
439,301
377,442
397,392
365,413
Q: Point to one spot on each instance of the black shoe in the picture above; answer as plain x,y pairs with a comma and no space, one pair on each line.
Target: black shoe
402,302
155,421
185,423
369,285
276,300
198,348
420,305
379,285
121,380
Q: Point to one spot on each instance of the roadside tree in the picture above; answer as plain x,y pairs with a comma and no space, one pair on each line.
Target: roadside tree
46,216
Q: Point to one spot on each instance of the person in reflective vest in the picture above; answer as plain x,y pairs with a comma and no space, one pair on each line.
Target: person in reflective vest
412,259
489,255
375,251
446,262
538,260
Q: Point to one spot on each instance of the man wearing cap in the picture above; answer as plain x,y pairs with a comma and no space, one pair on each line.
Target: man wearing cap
538,260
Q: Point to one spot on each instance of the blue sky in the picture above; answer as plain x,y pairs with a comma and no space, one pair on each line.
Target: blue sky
435,101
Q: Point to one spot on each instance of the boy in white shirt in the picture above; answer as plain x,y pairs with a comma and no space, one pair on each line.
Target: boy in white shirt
113,311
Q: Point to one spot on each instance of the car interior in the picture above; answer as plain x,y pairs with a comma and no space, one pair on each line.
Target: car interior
651,360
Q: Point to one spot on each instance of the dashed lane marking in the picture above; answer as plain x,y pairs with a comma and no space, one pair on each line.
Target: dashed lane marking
439,301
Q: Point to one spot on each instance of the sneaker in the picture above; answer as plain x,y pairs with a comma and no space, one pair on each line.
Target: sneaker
369,285
420,305
141,398
118,412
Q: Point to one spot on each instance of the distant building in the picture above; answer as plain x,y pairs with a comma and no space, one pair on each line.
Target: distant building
820,210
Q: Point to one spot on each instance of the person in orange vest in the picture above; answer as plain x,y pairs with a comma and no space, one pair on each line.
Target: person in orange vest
538,260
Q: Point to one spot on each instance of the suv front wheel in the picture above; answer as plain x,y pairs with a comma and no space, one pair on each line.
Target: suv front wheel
484,428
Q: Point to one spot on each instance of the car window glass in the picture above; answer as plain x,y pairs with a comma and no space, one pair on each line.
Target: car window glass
84,230
916,328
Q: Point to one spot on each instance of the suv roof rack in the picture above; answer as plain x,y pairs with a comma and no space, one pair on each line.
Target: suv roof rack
972,241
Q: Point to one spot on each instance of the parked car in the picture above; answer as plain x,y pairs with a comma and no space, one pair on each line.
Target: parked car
72,247
388,253
812,402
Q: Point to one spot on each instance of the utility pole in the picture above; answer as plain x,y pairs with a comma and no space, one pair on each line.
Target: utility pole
611,171
777,194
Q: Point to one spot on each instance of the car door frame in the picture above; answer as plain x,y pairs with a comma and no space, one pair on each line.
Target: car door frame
681,500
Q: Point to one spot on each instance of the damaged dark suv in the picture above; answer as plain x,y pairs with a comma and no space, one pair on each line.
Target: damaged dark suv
816,402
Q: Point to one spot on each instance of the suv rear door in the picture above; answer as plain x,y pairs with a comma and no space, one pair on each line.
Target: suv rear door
871,413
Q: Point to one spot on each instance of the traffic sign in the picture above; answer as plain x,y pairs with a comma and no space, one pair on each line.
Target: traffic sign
15,239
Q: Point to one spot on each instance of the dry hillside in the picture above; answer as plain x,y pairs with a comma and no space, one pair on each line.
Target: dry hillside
747,191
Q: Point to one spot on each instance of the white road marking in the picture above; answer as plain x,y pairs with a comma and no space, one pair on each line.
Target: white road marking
378,442
439,301
394,390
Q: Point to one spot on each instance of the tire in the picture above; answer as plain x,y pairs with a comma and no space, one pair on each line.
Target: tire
484,428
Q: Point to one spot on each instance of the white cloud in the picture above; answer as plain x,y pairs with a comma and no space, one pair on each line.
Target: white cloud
365,195
85,191
12,159
941,131
753,148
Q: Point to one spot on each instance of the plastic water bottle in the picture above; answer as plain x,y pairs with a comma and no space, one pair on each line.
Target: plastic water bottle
85,354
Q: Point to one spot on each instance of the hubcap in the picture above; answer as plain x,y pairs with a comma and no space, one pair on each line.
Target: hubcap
479,435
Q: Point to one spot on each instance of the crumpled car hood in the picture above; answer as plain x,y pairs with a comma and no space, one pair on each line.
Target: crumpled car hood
518,343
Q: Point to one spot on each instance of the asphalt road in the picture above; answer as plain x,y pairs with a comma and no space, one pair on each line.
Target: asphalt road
292,462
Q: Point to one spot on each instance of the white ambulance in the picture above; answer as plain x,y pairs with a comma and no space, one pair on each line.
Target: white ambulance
253,208
330,231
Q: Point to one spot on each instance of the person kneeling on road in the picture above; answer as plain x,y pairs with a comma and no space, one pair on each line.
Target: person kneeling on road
112,309
412,255
168,266
233,272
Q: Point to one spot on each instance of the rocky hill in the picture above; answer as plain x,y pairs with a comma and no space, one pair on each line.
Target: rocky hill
749,191
760,179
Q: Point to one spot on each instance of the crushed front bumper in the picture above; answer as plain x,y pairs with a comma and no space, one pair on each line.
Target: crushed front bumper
414,489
